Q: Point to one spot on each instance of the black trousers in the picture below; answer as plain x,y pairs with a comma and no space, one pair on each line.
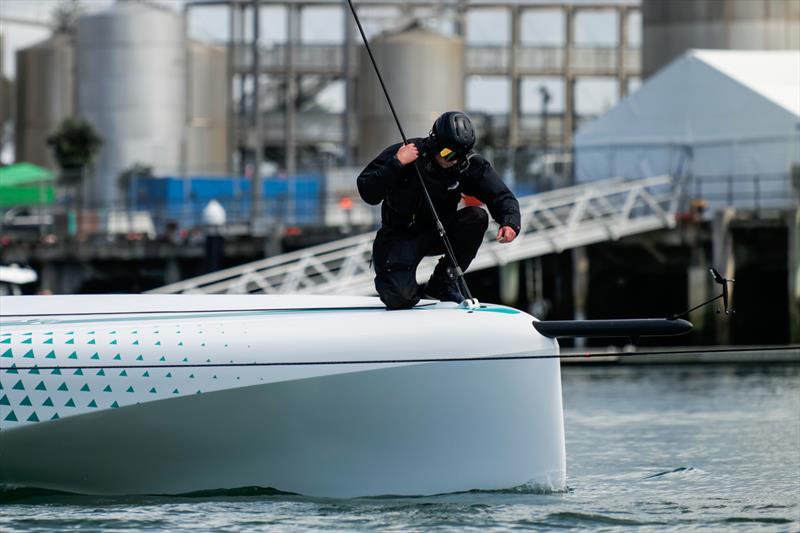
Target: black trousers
397,253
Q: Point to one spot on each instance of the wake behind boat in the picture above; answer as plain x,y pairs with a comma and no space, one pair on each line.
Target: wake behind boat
167,394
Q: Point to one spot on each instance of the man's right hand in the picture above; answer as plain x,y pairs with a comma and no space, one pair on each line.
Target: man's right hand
407,153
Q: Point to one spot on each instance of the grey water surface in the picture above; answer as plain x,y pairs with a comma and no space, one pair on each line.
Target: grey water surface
649,448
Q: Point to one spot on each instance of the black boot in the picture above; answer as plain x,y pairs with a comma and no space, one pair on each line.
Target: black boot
443,285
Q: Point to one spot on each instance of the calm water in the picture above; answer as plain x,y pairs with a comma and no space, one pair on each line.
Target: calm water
648,448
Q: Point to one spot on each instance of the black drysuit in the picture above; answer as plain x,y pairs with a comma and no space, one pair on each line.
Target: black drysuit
408,233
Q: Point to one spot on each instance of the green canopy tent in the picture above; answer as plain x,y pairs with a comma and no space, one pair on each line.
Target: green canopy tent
26,184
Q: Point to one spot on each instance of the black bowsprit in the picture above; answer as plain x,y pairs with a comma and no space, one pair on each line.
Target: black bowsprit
632,328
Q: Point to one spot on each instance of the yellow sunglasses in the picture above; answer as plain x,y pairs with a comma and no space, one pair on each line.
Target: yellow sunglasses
447,154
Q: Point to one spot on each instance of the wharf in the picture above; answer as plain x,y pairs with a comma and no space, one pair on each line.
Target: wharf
684,355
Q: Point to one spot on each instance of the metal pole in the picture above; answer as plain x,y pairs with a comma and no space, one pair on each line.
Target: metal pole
258,143
291,118
232,55
348,90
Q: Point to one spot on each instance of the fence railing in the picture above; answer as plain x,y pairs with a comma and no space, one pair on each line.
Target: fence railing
551,222
753,191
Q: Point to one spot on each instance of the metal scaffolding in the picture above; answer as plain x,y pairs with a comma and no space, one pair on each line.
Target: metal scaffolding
294,70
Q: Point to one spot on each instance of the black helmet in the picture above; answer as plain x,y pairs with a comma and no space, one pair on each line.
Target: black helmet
453,132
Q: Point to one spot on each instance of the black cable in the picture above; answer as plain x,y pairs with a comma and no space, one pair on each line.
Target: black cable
439,226
587,355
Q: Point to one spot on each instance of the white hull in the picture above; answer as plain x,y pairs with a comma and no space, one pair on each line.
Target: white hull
322,430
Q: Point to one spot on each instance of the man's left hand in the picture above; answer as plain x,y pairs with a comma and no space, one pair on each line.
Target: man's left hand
506,234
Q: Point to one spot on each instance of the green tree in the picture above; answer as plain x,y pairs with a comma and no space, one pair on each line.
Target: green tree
75,143
65,16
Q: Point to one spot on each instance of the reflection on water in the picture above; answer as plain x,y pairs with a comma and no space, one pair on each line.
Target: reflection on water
648,447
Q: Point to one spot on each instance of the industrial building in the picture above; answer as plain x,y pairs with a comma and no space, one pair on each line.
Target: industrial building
687,120
187,109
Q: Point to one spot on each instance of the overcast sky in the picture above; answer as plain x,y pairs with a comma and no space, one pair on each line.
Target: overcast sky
326,25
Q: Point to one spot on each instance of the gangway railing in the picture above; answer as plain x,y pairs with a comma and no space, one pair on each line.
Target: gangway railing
552,221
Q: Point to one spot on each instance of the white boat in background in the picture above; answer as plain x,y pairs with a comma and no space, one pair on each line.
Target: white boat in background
170,394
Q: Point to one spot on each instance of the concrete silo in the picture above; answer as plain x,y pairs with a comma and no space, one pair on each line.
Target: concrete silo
670,27
424,73
131,69
207,127
45,96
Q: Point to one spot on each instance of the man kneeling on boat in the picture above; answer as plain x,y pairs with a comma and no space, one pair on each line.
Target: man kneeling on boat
408,233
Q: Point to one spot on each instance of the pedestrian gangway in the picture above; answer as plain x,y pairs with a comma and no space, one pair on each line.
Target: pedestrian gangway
552,221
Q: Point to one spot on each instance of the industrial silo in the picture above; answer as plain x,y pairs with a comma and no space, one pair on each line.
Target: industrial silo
207,127
670,27
424,72
45,96
131,71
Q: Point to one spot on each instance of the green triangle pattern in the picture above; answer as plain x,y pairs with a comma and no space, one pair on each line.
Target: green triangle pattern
117,357
41,386
95,356
85,388
26,341
48,402
34,370
140,358
50,355
26,401
175,391
63,387
130,389
4,400
92,404
91,341
33,417
48,341
18,386
163,358
78,372
11,417
136,342
169,374
113,341
107,389
7,340
70,403
70,341
101,372
153,390
124,373
73,355
114,405
56,372
28,354
146,374
12,369
7,353
55,417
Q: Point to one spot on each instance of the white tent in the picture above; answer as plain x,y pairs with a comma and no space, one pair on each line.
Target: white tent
728,119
